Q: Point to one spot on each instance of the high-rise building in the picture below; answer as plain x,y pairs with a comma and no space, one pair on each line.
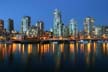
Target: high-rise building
73,27
105,30
1,26
89,25
25,24
98,31
40,26
10,25
32,31
58,25
66,31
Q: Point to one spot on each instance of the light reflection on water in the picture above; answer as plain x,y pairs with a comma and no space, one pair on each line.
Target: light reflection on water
54,56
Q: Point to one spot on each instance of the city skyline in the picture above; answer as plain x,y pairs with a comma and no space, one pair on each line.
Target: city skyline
53,35
80,27
43,10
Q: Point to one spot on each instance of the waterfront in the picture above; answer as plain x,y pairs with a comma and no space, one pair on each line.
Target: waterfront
54,57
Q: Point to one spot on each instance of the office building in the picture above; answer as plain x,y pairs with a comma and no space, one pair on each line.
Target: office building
89,26
58,25
105,30
32,31
1,26
40,26
98,31
25,24
73,27
10,25
66,31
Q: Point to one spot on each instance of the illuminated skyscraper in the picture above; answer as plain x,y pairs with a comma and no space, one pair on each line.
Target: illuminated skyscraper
10,25
65,31
58,27
98,31
89,25
73,27
25,24
1,26
105,30
40,26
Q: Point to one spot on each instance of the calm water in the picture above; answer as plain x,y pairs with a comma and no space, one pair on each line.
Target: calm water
54,57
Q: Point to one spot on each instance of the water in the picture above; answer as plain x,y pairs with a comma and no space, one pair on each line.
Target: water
90,57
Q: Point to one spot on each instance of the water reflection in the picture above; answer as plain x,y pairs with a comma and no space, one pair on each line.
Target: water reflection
57,55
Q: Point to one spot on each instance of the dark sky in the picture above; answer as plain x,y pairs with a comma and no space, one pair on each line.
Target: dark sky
43,10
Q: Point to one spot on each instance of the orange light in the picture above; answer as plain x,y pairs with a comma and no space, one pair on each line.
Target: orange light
23,48
82,47
107,45
104,49
89,37
29,48
94,47
89,47
62,47
42,49
14,38
61,38
72,48
14,47
38,47
53,46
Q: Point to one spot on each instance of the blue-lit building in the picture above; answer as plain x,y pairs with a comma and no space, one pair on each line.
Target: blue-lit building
98,31
2,30
105,30
65,31
73,27
58,25
89,25
25,24
40,27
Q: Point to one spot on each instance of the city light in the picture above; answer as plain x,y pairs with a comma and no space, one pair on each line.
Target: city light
59,31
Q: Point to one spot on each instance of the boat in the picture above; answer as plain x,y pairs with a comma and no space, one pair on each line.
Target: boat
81,41
55,42
100,41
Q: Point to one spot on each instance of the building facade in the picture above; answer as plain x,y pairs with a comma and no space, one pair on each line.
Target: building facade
58,25
66,31
105,30
40,27
73,27
25,24
89,26
10,25
32,32
1,26
98,31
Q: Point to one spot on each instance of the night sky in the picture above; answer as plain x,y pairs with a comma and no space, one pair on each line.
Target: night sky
43,10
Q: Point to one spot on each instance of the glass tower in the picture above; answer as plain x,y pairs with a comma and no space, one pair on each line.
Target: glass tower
58,26
72,27
25,24
10,25
89,25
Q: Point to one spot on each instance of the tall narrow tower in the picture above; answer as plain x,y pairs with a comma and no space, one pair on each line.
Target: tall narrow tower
25,24
57,28
89,25
10,25
73,27
40,26
1,26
